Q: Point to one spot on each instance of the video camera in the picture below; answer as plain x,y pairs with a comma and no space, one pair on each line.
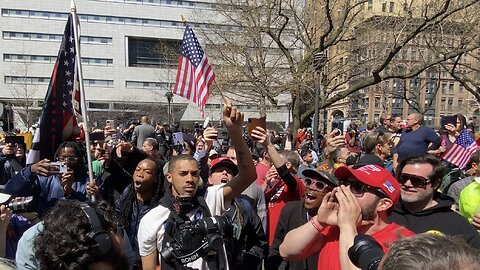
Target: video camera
21,205
366,253
195,239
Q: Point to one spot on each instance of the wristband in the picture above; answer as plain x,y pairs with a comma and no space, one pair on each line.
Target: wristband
316,226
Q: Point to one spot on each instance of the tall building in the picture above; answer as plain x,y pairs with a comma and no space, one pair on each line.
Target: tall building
129,52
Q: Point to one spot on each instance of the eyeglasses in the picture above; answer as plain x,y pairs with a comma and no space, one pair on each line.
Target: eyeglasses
319,185
71,159
358,189
415,180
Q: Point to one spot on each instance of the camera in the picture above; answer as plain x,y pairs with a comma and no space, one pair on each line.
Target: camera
195,239
366,253
22,205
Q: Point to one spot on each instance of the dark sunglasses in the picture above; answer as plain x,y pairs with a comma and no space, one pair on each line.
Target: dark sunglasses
358,189
319,185
415,180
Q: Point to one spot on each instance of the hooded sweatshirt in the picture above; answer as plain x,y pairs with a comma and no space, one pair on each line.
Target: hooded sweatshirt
437,219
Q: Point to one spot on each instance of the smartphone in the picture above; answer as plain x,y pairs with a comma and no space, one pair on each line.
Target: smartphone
110,123
254,122
449,120
59,167
97,136
222,134
14,139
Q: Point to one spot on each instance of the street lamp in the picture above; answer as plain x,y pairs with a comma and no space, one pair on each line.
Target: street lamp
319,58
169,96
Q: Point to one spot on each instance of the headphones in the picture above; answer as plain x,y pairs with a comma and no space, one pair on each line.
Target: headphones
103,240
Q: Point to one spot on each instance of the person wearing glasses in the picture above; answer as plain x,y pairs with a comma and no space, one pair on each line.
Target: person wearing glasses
359,205
44,181
296,213
422,208
377,147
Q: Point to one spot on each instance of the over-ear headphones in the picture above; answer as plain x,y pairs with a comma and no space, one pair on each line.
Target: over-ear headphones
103,240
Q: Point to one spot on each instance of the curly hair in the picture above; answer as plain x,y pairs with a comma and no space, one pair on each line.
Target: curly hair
80,151
64,242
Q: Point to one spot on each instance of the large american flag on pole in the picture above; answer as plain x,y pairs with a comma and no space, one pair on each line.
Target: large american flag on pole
461,150
62,102
194,74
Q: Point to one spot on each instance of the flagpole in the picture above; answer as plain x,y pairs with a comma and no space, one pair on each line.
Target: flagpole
83,104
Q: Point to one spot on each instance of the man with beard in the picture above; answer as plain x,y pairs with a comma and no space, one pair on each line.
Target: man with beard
360,205
422,208
295,214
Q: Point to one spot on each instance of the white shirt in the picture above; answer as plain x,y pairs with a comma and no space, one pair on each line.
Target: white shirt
152,226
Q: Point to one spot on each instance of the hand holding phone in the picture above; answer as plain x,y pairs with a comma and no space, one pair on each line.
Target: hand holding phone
58,167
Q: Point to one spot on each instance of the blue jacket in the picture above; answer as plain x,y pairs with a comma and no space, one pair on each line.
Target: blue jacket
47,190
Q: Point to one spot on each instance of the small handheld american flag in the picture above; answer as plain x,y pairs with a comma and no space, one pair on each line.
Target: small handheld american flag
194,73
461,150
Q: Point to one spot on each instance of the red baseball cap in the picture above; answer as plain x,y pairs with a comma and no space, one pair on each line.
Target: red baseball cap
224,162
374,176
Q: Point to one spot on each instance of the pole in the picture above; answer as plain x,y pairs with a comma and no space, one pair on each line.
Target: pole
83,104
317,107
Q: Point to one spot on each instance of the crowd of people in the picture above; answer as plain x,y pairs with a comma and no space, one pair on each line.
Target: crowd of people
224,198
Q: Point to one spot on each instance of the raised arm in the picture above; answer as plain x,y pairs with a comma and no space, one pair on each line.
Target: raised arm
233,120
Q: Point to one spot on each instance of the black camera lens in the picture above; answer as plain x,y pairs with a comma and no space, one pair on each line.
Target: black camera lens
366,253
22,205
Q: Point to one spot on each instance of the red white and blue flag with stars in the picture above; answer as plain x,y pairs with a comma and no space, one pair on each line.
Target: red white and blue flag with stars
194,73
58,121
461,150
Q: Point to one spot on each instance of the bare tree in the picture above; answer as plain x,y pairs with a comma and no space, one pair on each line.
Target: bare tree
265,47
23,91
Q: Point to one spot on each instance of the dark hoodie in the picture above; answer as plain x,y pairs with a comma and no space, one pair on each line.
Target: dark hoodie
439,218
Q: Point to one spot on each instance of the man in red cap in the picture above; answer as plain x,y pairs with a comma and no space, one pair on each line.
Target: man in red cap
360,205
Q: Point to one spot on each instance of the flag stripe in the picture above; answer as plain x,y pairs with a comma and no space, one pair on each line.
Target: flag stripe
194,74
460,152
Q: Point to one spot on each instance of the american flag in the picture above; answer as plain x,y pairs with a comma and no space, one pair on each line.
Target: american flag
461,150
194,74
62,102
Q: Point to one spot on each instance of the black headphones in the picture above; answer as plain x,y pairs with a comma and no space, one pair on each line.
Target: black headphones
103,240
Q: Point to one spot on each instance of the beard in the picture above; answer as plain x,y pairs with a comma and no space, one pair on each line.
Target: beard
369,212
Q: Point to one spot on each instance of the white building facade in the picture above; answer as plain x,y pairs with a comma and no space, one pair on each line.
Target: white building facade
121,67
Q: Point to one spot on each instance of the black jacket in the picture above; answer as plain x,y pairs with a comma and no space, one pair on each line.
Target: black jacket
439,218
293,215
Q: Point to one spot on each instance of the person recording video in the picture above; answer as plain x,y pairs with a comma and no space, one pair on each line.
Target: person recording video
12,158
183,203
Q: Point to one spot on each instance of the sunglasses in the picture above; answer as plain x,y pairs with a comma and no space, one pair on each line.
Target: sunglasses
415,180
319,185
358,189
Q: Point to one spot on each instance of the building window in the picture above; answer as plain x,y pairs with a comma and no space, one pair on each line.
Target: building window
460,104
460,88
148,52
392,7
377,102
384,6
450,104
451,88
370,4
148,85
413,55
444,88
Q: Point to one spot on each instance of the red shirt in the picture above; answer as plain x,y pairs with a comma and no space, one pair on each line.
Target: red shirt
329,254
276,198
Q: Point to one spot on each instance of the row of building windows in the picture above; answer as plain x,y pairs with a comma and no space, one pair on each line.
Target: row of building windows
52,59
183,4
110,19
46,80
54,37
148,85
96,18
